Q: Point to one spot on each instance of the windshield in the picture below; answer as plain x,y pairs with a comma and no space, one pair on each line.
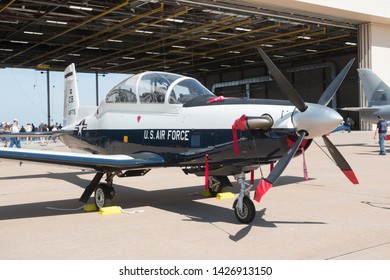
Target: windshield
123,92
153,86
157,88
186,90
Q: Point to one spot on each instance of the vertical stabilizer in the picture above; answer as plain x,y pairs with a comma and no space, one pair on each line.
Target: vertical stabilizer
376,91
71,96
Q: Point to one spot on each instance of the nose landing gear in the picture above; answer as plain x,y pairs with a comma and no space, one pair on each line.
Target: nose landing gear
244,208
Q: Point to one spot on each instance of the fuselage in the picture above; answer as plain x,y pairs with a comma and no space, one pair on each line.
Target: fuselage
183,135
179,119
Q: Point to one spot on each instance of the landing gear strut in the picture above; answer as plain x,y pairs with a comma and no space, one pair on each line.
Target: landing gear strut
104,192
243,206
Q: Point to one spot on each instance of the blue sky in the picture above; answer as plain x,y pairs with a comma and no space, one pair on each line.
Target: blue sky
24,93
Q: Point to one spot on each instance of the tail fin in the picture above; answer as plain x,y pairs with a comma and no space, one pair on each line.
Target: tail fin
71,96
377,92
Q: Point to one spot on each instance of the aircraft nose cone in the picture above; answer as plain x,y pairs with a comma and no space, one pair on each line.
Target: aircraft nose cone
317,120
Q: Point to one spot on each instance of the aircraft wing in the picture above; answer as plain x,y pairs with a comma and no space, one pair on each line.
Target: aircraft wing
359,109
97,162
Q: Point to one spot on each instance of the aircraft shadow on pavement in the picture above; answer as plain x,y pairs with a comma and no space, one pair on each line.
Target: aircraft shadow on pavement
373,152
186,201
380,205
352,145
261,222
70,177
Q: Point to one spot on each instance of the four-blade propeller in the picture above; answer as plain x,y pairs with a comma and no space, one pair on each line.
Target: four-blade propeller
312,120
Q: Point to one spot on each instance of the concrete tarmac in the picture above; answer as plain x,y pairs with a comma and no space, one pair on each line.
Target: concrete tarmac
166,217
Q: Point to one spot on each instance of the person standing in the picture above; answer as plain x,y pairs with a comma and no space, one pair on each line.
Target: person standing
15,140
381,129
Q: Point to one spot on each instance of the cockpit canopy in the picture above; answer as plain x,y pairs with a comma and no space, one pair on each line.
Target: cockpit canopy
157,88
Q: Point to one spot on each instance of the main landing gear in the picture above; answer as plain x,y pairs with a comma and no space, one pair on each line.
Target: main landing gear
104,192
217,184
103,195
243,206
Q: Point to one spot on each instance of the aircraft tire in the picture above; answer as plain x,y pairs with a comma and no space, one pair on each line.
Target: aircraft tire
102,196
248,212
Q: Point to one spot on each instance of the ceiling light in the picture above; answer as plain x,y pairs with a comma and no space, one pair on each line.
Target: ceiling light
115,41
174,20
276,55
184,62
19,42
128,57
6,50
310,50
58,60
178,47
10,21
56,22
223,13
267,45
207,39
112,63
350,43
226,65
143,31
152,53
80,8
33,33
234,52
250,61
74,54
243,29
304,37
92,48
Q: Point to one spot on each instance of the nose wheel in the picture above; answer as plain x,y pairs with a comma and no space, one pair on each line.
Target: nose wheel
247,212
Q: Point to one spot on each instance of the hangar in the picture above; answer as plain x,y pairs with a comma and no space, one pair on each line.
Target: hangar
214,41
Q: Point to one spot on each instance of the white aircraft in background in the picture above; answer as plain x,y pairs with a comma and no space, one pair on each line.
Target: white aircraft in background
377,93
158,119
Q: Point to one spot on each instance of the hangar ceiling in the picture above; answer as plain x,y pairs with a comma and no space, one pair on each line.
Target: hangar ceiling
189,37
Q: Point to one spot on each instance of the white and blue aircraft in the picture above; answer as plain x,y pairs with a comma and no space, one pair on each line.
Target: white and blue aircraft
377,94
158,119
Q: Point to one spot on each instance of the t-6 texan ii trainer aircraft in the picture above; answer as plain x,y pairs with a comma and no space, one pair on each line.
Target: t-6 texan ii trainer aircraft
157,119
377,94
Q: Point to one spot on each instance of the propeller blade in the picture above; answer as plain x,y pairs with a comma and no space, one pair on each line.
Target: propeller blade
266,184
340,160
283,83
334,85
